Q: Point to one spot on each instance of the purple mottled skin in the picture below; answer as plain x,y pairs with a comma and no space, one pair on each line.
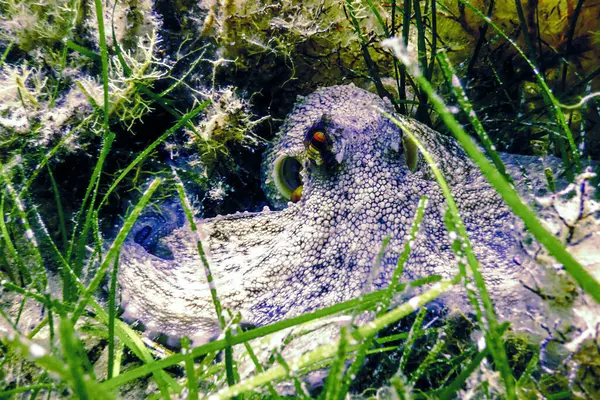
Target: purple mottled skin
320,251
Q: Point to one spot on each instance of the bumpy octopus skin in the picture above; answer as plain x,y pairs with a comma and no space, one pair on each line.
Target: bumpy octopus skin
321,250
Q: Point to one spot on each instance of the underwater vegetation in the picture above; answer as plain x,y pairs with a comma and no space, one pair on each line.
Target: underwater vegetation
110,110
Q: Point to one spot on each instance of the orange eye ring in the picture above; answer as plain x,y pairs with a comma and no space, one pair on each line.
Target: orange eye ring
318,148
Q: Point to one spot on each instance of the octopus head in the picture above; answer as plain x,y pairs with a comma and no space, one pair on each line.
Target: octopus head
334,130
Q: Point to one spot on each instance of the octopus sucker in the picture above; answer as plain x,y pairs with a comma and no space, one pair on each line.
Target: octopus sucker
359,186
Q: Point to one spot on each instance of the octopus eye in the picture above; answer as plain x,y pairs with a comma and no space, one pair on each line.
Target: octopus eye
286,176
317,148
319,138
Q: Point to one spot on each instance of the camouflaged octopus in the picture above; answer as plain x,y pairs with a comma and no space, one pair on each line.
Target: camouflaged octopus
359,185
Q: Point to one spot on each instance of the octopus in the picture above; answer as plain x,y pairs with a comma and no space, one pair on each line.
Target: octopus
355,181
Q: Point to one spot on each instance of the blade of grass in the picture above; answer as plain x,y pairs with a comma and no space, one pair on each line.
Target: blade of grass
413,335
229,363
8,393
335,387
405,33
93,189
300,389
399,384
63,58
259,368
567,394
414,229
401,106
37,328
381,350
61,308
69,292
59,208
20,274
21,308
42,379
480,41
529,48
112,310
204,369
433,47
104,60
73,356
132,340
583,82
400,88
529,370
5,53
422,108
50,154
379,18
83,50
402,336
467,108
456,364
192,384
118,358
50,322
457,248
50,363
432,356
581,102
450,391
